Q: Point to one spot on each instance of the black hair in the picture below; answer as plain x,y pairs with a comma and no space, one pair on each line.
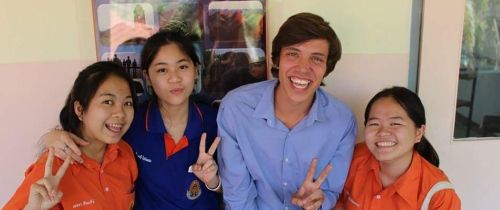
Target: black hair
85,87
303,27
174,33
412,105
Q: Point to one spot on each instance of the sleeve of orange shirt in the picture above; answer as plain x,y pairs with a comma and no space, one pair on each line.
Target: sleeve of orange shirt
32,174
444,200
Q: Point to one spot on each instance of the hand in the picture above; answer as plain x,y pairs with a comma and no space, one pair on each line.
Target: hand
206,168
44,193
310,196
64,144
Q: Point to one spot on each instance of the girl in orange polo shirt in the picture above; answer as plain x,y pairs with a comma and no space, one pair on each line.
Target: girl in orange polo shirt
396,168
99,108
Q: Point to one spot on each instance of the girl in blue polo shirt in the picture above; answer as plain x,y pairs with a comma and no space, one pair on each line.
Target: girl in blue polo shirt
169,132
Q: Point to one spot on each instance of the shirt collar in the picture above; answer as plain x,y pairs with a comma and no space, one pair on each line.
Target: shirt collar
265,107
110,154
154,121
407,185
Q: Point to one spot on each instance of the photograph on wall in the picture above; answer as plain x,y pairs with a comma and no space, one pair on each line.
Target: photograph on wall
229,39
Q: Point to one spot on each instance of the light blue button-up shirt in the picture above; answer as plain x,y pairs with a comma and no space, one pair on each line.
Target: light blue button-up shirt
263,163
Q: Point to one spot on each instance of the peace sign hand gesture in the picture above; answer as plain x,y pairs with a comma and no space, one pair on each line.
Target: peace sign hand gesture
205,167
310,196
44,193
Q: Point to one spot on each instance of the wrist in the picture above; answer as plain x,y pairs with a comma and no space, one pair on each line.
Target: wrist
216,186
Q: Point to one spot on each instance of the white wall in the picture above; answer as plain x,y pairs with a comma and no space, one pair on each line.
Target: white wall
471,165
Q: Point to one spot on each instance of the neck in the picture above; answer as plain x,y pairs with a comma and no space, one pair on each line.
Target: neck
175,119
391,171
289,111
95,149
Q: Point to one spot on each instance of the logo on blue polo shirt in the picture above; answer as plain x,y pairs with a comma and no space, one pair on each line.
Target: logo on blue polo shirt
194,190
143,158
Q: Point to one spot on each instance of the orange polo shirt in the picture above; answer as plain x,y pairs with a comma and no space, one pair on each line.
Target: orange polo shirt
363,189
90,185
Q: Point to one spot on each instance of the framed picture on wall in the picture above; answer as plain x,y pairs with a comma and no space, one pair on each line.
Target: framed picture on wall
230,39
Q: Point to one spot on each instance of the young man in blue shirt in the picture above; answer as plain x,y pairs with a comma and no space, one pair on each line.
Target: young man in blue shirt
281,138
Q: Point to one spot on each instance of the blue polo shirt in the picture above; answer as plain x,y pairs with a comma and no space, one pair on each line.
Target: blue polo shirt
165,183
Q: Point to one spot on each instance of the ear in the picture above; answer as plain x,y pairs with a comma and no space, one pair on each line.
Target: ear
146,75
196,71
420,133
78,110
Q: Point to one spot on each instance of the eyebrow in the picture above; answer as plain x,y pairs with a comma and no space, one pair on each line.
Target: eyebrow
113,95
391,118
179,61
297,50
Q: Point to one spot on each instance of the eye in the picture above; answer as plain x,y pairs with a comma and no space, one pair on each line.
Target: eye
108,102
129,103
395,124
372,124
161,70
317,60
292,54
183,67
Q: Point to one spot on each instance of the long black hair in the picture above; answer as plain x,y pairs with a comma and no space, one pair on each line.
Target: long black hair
411,103
84,88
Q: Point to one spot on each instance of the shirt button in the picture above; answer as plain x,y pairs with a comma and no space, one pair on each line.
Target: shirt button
286,207
378,197
106,189
286,160
285,184
102,171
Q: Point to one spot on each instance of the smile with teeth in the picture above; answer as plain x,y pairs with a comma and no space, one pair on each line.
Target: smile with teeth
385,144
114,127
299,83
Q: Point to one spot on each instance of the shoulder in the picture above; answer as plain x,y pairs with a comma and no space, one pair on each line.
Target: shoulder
250,93
208,111
431,174
360,156
125,149
333,105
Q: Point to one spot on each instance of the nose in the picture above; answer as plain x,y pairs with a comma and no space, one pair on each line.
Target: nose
304,64
119,110
173,76
384,131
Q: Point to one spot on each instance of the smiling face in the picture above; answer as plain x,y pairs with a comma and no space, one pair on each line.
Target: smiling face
109,113
172,75
301,70
390,134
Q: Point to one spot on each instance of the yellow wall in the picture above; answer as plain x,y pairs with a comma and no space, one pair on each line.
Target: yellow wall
54,30
363,26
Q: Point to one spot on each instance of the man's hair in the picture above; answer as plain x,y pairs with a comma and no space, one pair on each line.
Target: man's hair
303,27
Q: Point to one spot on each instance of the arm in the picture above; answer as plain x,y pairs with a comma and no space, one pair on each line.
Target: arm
340,162
39,189
444,200
239,189
65,143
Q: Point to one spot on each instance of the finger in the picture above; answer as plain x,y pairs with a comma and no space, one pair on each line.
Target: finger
208,164
311,171
39,189
202,143
324,173
75,156
48,164
79,141
210,169
297,201
60,172
315,199
213,147
57,197
48,187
